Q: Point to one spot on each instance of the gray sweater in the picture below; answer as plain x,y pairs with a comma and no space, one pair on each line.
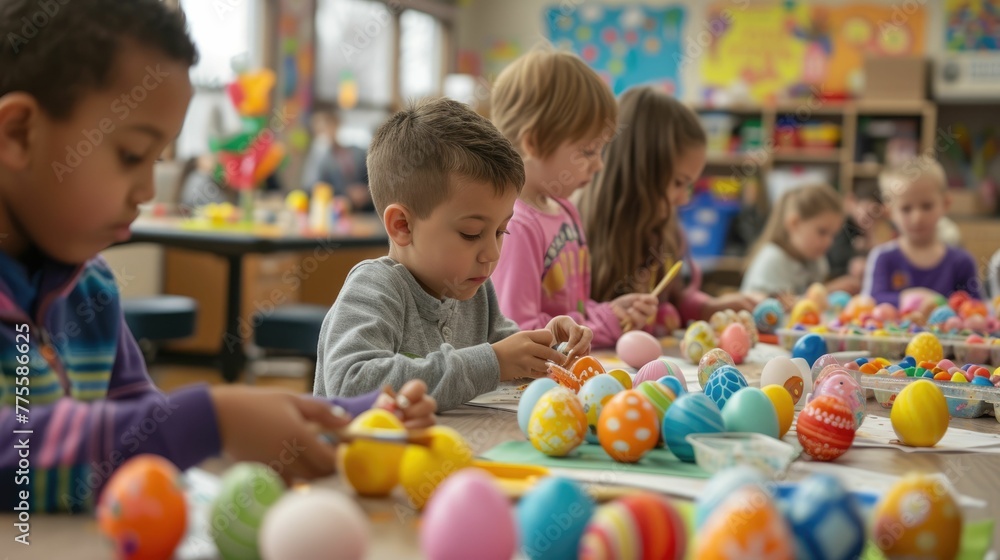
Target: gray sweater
385,329
773,271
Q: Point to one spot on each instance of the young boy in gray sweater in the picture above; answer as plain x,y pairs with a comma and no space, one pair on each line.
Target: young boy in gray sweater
444,181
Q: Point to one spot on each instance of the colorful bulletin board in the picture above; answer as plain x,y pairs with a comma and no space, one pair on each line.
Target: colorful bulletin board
972,25
295,78
790,49
627,46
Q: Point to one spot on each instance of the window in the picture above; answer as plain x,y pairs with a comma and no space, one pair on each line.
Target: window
354,52
420,55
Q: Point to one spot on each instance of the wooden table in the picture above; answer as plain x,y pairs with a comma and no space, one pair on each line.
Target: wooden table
394,523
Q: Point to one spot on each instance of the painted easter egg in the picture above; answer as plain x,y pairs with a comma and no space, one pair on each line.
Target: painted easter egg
738,530
690,413
593,396
838,300
768,315
825,520
657,369
957,298
423,468
745,318
735,340
586,367
885,312
810,347
940,315
468,517
843,385
628,427
529,398
562,376
622,377
642,526
552,518
636,348
818,293
698,339
976,350
919,414
784,406
721,487
557,424
782,371
749,410
825,428
142,508
918,518
711,361
673,384
658,395
971,308
247,491
723,384
925,347
370,467
720,320
313,524
804,312
857,306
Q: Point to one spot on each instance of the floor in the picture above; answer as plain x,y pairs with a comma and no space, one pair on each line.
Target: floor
170,377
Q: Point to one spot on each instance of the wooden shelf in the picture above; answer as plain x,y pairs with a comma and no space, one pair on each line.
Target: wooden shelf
758,157
805,155
867,169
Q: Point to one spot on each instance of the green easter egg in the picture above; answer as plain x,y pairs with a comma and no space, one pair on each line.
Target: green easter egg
248,491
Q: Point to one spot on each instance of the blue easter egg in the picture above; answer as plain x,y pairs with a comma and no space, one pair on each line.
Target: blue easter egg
768,315
824,519
810,347
691,413
529,398
722,486
723,383
552,518
673,384
941,314
838,300
929,374
861,361
978,380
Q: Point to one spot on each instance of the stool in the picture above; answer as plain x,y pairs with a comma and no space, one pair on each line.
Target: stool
292,329
159,318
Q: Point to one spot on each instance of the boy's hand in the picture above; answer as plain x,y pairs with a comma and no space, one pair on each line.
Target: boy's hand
576,337
412,405
637,309
524,354
277,428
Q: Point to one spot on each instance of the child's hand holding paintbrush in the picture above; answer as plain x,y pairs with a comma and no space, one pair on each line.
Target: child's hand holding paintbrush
628,323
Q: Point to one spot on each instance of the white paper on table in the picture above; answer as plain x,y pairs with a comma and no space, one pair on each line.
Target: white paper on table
506,397
877,432
202,489
679,486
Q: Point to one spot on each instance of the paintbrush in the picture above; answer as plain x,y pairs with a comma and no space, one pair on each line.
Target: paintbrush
669,277
397,437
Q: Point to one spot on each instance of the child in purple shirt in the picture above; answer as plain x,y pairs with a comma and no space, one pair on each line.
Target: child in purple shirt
916,196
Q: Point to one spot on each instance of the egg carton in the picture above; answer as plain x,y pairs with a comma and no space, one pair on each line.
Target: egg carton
888,347
964,400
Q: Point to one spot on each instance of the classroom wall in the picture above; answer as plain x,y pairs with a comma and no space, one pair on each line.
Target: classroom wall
481,23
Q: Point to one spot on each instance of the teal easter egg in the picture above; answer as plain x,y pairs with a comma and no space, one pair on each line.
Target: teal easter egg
723,384
768,316
825,520
674,384
529,398
552,518
248,491
722,486
749,410
597,391
691,413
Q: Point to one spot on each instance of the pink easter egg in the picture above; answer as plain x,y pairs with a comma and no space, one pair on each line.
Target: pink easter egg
952,324
656,369
884,312
637,348
735,340
976,323
468,516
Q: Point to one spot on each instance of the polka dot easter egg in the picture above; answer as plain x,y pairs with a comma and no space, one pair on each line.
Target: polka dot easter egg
586,367
925,347
918,518
825,428
558,424
250,489
711,361
768,315
642,526
628,427
691,413
593,396
723,384
698,339
747,525
844,386
824,519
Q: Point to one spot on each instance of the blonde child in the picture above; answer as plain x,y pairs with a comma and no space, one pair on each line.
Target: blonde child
444,181
630,214
559,115
72,378
791,252
918,260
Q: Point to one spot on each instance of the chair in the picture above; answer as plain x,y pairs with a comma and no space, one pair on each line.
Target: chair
292,329
158,318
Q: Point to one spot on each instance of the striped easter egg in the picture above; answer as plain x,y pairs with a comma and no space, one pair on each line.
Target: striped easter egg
691,413
658,368
642,526
825,428
658,395
919,415
248,492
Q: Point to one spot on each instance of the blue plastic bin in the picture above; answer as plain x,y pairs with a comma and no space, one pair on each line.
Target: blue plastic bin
706,222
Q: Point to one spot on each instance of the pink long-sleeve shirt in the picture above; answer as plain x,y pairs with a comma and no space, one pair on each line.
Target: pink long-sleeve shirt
544,271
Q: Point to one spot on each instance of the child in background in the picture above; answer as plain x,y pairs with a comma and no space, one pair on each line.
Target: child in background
444,181
559,115
630,214
918,260
863,208
71,373
197,185
330,162
791,252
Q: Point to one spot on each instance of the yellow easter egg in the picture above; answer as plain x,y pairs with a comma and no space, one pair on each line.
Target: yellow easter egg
623,377
372,468
918,518
925,347
557,424
783,405
423,468
919,414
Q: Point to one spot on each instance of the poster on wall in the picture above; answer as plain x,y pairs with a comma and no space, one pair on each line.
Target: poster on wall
627,46
788,50
972,25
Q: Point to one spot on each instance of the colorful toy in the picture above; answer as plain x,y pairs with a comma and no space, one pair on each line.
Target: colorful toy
825,428
735,340
698,339
737,531
248,490
316,523
552,518
749,410
825,520
690,413
768,315
529,398
628,427
593,396
142,508
918,518
371,467
784,406
468,517
726,381
643,526
423,468
557,424
920,414
711,361
925,347
810,347
783,371
637,348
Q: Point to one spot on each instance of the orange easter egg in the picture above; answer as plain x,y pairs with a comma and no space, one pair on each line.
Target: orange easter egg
826,428
918,518
628,426
563,377
747,525
586,367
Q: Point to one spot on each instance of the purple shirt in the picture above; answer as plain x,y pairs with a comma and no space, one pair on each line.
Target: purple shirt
888,273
